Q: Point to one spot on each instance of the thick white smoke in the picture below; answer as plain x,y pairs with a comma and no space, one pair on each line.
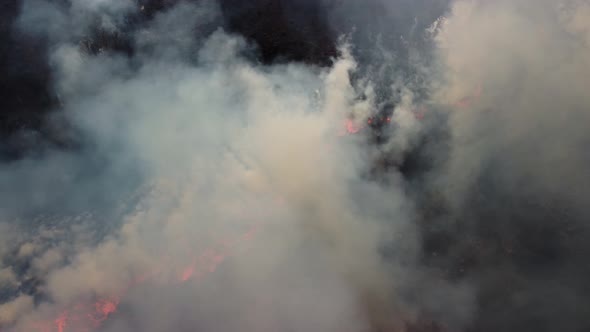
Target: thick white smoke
188,144
517,172
531,60
221,145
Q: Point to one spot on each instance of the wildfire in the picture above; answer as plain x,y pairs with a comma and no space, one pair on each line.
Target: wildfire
351,127
82,317
60,322
188,272
106,307
87,316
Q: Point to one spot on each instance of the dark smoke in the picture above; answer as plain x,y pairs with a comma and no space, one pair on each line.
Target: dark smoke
138,132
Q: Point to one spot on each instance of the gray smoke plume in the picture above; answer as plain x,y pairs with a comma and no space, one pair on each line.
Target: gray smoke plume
516,178
189,142
206,184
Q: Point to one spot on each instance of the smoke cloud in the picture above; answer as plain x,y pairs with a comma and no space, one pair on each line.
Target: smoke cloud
203,181
516,173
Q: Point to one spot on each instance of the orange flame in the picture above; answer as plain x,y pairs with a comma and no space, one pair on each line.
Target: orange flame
86,317
188,272
61,321
352,128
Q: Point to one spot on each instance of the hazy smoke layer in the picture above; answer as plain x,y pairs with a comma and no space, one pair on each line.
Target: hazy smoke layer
212,144
206,184
517,174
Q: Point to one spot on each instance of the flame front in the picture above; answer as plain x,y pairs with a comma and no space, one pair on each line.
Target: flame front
87,316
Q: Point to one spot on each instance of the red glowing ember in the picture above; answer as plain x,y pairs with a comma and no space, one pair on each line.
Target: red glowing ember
83,317
60,322
188,272
87,316
106,307
352,128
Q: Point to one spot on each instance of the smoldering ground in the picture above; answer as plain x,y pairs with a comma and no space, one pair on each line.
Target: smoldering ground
186,129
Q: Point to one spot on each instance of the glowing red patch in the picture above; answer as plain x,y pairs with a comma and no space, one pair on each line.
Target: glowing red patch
351,128
87,316
61,321
106,307
188,272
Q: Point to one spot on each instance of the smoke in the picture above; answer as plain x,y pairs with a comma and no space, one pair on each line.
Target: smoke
195,144
516,174
209,187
